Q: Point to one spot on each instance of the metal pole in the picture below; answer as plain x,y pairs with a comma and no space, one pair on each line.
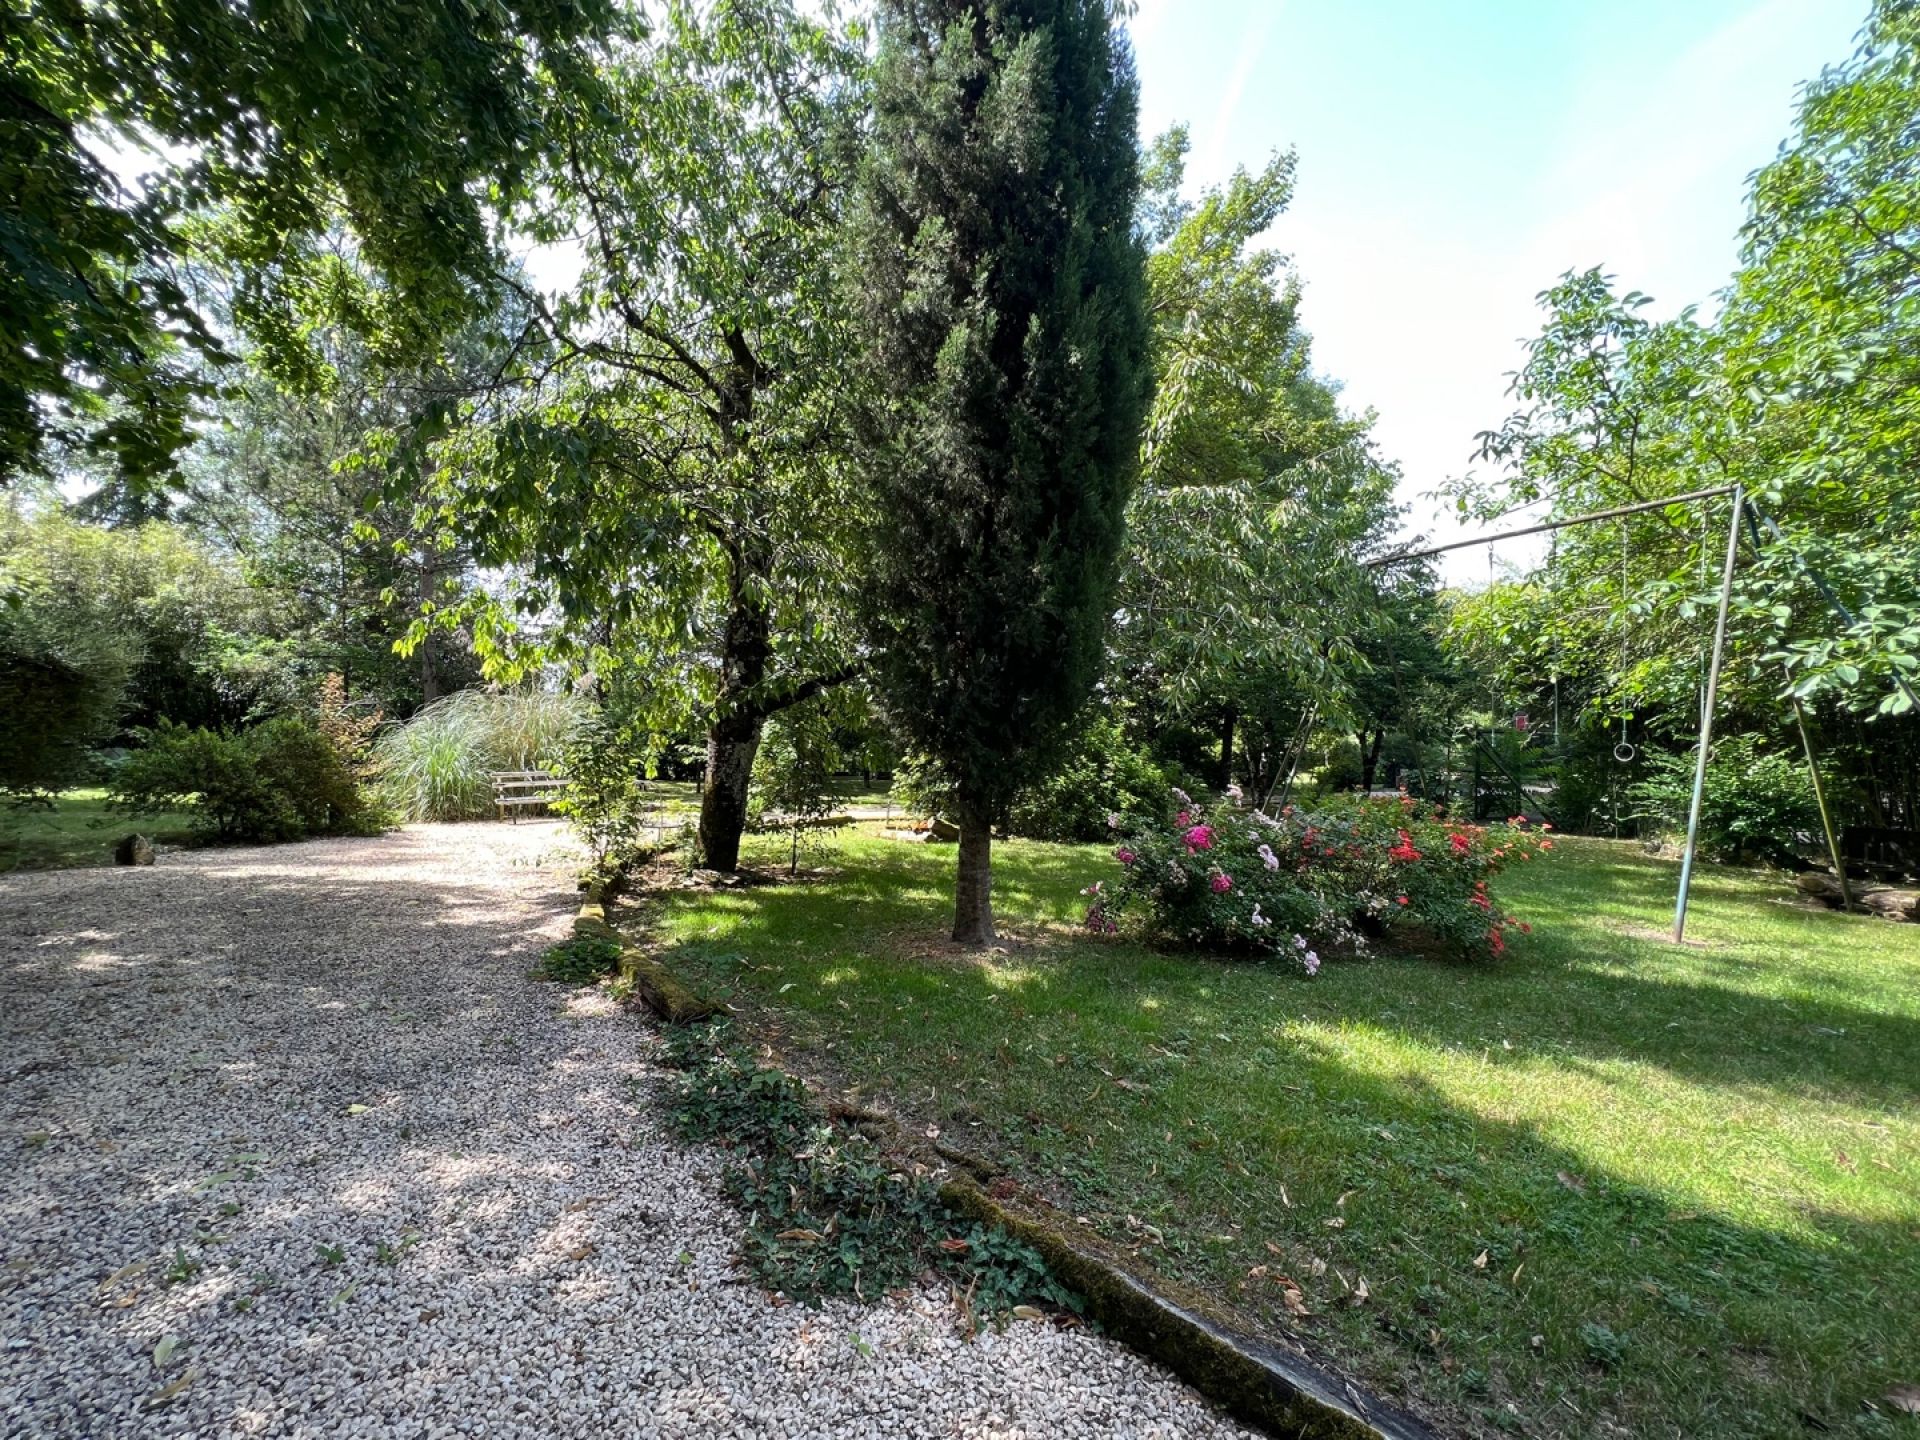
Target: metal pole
1820,799
1401,557
1706,715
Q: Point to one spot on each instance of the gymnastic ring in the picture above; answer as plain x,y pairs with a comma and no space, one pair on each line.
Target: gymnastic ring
1624,753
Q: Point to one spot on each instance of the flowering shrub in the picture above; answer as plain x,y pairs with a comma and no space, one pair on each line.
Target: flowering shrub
1291,884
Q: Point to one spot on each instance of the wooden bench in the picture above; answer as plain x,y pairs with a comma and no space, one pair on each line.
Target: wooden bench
513,789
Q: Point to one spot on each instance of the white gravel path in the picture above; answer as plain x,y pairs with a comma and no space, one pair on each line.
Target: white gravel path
212,1068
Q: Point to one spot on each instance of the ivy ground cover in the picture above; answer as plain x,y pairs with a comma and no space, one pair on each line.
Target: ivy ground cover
1598,1185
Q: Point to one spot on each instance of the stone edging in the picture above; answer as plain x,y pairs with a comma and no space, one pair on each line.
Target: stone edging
652,984
1256,1381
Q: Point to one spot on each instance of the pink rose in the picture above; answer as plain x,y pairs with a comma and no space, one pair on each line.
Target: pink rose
1222,883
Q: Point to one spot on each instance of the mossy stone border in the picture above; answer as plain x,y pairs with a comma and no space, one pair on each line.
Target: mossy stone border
652,984
1283,1393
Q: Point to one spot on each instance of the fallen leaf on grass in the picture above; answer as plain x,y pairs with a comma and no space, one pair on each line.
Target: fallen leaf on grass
956,1247
1335,1222
1360,1292
809,1236
1905,1398
1572,1182
1480,1261
1273,1249
1317,1268
1845,1162
1294,1298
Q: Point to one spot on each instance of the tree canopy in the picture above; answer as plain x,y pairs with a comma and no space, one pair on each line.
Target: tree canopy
145,139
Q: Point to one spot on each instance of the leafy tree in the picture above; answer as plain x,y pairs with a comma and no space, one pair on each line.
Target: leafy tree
281,113
1405,690
1802,390
1241,593
102,629
1821,343
659,468
1000,294
289,485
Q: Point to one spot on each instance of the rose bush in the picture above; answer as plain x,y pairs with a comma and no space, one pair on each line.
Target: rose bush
1291,885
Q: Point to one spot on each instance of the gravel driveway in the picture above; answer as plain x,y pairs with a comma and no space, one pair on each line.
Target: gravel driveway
294,1147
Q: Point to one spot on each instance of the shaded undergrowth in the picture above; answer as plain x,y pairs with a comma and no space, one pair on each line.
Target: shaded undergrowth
828,1212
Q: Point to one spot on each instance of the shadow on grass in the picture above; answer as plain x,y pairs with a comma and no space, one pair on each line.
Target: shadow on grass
1178,1091
1622,1004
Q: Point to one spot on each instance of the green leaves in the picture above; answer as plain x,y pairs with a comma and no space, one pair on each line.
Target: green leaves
998,291
288,117
1256,493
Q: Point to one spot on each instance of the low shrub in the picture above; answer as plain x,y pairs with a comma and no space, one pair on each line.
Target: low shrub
281,780
1100,773
608,798
580,960
828,1213
1292,885
1757,804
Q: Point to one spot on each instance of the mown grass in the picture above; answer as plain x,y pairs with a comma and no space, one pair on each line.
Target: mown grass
1608,1186
79,830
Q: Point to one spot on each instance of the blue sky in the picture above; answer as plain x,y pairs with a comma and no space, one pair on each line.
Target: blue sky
1456,156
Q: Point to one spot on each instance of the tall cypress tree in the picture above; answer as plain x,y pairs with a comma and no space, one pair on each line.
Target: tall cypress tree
1001,302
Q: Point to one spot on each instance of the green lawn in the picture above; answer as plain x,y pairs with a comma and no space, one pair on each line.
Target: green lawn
1605,1187
680,799
79,830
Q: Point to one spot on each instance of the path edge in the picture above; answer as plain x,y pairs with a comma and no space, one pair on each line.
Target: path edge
1254,1380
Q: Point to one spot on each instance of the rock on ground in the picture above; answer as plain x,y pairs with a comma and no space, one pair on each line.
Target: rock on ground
297,1148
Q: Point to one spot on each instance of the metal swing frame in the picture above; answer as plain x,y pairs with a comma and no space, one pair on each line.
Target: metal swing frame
1738,492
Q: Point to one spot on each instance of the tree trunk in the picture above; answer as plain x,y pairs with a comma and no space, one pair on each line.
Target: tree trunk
1227,720
429,672
1370,757
732,742
733,739
973,882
